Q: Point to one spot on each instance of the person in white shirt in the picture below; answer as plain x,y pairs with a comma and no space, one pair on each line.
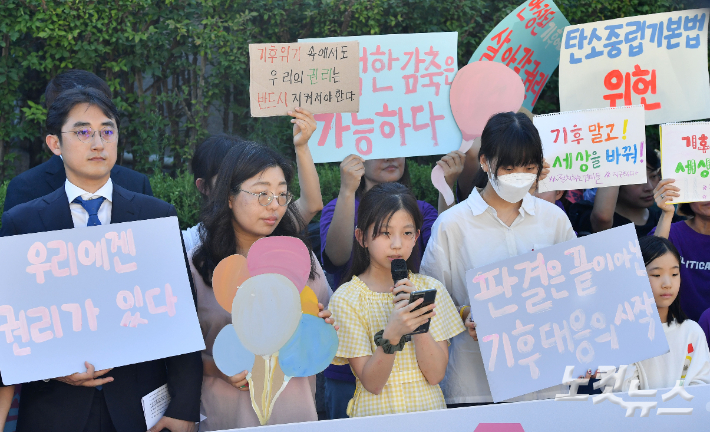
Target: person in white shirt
82,127
688,360
499,221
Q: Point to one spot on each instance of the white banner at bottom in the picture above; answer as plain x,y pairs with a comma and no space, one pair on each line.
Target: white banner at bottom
676,413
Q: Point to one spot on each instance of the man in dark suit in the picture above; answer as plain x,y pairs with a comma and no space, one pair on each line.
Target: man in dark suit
82,126
49,176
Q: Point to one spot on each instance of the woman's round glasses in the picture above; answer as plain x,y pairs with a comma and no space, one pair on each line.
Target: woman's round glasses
266,198
85,135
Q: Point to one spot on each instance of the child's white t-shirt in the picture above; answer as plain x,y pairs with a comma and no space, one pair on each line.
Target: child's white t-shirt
663,371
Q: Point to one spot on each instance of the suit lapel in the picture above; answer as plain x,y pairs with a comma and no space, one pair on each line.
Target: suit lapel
123,207
56,215
55,172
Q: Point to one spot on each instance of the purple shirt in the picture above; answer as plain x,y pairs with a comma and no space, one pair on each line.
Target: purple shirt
429,214
694,249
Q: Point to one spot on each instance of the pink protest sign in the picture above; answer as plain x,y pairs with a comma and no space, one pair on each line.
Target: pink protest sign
111,295
405,81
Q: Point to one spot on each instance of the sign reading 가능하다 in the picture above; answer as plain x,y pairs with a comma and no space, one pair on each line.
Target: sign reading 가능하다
404,103
320,77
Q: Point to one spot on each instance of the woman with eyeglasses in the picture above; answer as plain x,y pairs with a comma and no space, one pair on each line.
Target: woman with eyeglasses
250,201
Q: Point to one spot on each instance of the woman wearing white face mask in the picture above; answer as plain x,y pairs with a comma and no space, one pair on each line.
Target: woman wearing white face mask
499,220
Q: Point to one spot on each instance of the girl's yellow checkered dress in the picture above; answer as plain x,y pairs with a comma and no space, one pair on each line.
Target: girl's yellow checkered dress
360,313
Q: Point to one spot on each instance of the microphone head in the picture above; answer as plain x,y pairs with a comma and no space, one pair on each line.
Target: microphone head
399,270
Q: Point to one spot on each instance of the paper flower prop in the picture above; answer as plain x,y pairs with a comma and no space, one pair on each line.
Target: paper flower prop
276,333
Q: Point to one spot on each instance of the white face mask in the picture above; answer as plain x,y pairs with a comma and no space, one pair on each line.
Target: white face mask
512,187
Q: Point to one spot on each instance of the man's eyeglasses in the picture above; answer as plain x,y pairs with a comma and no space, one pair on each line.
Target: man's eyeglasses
266,198
107,134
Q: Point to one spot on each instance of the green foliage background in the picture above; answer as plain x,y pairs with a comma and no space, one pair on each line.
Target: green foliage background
174,63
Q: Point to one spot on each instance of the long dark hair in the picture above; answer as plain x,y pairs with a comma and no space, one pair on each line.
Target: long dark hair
217,233
208,157
509,139
376,209
653,247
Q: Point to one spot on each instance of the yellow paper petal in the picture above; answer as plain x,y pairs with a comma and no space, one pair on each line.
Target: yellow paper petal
309,301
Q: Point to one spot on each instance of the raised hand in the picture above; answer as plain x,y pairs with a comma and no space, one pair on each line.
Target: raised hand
352,168
664,193
304,124
452,165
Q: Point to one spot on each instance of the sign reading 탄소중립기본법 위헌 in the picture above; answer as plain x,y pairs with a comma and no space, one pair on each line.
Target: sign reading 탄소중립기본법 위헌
586,302
320,77
111,295
527,41
660,61
593,148
404,101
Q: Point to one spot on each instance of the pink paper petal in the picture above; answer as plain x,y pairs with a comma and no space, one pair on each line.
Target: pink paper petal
465,146
287,256
439,182
480,90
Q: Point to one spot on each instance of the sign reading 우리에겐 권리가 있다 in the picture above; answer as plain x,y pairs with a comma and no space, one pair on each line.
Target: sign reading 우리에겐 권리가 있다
404,104
584,303
320,77
660,61
528,41
111,295
593,148
685,158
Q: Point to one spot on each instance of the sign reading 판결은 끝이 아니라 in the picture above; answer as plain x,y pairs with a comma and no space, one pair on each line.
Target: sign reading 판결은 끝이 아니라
660,61
685,158
320,77
593,148
586,302
404,104
111,295
527,41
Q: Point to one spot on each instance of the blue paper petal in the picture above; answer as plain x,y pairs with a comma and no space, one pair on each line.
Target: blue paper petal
229,354
311,348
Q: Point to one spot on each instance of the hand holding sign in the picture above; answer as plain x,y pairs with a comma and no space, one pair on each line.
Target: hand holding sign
480,90
90,378
304,124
